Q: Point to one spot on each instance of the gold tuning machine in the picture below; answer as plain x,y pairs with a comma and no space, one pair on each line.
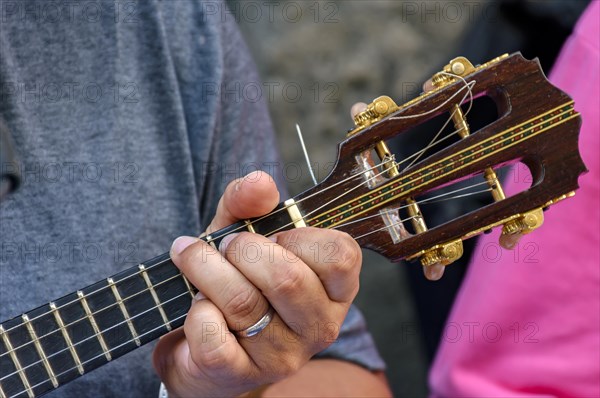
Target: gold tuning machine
524,223
459,66
377,110
443,254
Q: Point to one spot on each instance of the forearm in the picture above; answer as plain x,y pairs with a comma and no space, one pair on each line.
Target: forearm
328,378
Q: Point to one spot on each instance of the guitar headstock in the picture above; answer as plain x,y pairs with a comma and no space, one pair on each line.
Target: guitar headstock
375,197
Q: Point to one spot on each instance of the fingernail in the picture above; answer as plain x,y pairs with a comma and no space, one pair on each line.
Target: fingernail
199,296
225,242
181,243
254,176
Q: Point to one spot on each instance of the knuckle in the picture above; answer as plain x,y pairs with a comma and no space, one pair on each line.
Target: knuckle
214,360
243,248
287,365
243,304
346,256
286,279
195,254
329,334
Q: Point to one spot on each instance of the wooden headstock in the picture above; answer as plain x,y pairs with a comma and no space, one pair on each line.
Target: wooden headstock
537,125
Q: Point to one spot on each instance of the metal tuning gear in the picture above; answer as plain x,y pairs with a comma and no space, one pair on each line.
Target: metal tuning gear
377,110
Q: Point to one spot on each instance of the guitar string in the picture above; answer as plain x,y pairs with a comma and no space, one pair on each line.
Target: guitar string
97,334
481,151
147,332
470,94
410,218
467,86
128,341
358,174
99,355
39,338
125,321
137,273
424,201
186,292
154,265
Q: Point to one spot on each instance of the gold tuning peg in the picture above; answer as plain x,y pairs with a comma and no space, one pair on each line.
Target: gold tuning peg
376,110
459,66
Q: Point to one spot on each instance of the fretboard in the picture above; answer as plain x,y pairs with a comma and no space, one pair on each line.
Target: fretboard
67,338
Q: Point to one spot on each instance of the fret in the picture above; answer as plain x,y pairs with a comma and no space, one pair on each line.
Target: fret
249,226
142,269
115,291
92,321
67,338
294,213
82,336
13,355
40,350
188,285
175,294
211,242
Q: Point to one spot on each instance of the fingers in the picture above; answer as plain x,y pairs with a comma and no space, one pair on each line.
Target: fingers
204,350
214,350
240,301
290,286
240,200
333,256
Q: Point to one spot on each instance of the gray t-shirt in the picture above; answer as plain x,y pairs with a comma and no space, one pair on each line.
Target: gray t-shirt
129,119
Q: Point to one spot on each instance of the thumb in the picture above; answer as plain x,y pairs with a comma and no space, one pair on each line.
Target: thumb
251,196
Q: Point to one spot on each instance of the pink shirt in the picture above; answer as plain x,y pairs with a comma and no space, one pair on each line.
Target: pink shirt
527,322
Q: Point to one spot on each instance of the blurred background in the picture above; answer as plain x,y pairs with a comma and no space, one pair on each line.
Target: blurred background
317,58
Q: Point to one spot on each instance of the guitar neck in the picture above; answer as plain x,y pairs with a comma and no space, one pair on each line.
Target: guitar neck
66,338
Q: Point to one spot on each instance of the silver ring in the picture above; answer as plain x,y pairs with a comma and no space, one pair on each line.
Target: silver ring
258,326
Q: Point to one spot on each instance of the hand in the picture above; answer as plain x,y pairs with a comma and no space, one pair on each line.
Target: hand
308,275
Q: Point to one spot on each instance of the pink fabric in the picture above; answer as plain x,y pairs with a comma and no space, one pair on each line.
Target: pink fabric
527,323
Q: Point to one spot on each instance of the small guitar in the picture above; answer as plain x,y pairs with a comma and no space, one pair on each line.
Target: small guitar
369,194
